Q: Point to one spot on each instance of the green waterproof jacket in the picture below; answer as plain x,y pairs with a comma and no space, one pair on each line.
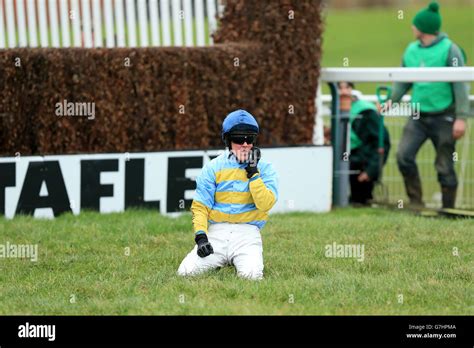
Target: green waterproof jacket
365,123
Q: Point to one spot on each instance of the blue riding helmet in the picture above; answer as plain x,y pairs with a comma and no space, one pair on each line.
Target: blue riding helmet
239,121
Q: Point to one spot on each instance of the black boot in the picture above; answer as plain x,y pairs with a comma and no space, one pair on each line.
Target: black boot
449,196
414,192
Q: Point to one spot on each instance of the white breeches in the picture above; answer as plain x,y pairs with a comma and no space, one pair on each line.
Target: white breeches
234,244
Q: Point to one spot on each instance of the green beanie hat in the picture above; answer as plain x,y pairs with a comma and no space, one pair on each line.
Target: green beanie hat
428,20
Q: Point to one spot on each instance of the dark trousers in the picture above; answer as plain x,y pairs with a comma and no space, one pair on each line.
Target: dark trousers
439,129
361,192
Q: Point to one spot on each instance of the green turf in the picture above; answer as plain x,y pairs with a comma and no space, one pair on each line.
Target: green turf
375,37
83,257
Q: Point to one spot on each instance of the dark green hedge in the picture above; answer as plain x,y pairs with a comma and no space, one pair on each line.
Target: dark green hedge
139,106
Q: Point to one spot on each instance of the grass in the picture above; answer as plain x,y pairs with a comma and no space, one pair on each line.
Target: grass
84,257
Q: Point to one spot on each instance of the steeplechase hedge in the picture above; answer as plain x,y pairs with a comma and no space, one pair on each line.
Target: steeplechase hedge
265,59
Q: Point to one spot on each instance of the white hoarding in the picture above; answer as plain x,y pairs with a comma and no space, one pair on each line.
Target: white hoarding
46,186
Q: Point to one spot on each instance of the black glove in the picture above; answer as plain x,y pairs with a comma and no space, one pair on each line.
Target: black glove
204,247
254,157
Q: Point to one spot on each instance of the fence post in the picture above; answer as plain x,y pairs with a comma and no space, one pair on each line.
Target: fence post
177,22
339,133
32,30
64,18
10,19
188,23
131,23
21,24
86,24
2,27
154,22
143,23
211,19
318,129
120,24
199,17
165,22
75,16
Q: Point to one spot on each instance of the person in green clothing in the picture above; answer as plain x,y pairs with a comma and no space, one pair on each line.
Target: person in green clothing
443,107
364,159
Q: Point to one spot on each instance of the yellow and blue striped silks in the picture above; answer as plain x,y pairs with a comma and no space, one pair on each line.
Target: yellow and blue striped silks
225,194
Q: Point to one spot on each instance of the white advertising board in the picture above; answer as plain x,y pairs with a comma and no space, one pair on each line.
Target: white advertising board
46,186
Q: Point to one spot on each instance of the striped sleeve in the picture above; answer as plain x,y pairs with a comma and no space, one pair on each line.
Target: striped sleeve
264,188
203,199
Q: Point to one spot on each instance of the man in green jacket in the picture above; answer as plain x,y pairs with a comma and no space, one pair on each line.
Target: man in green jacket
443,107
364,159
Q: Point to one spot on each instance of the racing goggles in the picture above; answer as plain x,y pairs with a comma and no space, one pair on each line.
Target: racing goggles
243,138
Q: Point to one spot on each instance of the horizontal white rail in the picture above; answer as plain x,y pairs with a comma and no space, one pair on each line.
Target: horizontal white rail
389,74
397,74
327,98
